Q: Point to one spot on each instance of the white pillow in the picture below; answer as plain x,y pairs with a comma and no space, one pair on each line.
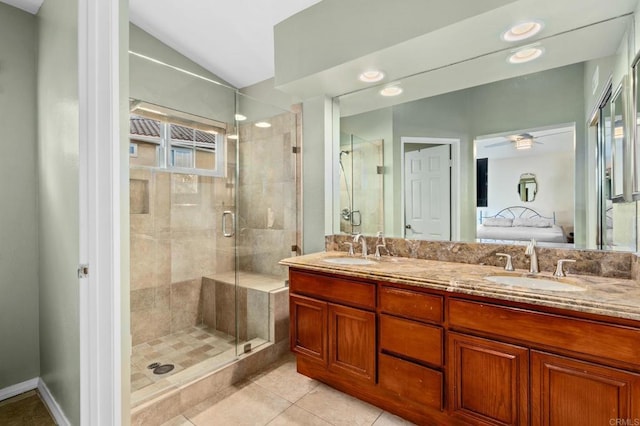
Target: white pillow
497,221
532,222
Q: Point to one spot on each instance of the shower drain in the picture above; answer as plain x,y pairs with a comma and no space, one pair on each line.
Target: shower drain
160,368
163,369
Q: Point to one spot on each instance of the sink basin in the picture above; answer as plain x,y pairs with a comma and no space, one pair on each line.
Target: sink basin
535,283
349,261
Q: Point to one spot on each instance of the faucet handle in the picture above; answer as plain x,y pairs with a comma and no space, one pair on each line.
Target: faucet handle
351,252
508,266
378,247
559,270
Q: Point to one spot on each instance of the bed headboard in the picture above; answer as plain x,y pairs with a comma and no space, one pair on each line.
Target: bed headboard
519,212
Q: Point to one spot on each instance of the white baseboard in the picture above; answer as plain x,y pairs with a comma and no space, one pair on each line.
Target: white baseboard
19,388
54,408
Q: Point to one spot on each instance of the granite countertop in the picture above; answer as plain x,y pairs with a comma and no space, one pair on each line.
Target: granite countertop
603,296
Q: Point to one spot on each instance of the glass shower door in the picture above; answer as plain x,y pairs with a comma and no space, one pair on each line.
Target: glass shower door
267,222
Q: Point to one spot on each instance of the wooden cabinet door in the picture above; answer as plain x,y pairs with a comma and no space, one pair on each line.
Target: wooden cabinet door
352,342
488,381
308,327
566,392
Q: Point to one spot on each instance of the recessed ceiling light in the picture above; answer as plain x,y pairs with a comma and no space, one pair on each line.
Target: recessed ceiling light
522,31
232,137
240,117
263,124
525,55
391,91
371,76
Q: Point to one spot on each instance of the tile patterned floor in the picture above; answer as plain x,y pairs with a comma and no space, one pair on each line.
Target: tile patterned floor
183,349
280,396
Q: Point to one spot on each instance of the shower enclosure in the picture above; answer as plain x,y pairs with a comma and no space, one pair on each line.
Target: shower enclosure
361,185
213,193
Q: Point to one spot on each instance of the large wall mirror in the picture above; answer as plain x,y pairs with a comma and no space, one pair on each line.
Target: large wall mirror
526,120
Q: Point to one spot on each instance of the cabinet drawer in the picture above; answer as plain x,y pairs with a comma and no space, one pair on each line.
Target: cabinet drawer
411,304
411,381
584,336
414,340
335,289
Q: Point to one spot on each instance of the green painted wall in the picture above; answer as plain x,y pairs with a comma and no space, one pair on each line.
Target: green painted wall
333,32
18,191
58,151
160,85
317,134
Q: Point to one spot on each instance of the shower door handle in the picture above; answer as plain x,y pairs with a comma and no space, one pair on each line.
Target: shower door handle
224,223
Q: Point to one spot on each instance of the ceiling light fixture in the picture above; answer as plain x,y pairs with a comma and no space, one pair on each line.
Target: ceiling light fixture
526,54
522,31
232,137
263,124
524,143
391,91
240,117
371,76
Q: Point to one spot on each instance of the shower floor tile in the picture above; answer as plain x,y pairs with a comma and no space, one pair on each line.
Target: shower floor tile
182,349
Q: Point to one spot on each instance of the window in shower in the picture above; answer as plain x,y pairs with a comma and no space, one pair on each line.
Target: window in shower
177,141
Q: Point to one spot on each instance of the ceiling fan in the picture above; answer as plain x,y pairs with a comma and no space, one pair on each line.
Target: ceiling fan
524,140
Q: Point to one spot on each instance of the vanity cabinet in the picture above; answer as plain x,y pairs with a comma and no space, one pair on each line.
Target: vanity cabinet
308,327
489,380
553,369
441,358
411,346
327,331
566,391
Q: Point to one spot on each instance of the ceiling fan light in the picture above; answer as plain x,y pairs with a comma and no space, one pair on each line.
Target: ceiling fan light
524,143
618,132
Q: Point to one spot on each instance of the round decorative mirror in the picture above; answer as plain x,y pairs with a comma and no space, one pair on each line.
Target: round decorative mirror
527,187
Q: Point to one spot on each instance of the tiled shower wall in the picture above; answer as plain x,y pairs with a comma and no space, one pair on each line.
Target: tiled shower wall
175,241
267,219
176,238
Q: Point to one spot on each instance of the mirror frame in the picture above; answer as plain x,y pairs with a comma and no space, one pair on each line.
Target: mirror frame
620,191
634,129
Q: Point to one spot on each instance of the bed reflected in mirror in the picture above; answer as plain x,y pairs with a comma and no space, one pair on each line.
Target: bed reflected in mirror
519,215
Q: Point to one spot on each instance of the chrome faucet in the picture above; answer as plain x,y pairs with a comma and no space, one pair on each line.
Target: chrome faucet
509,265
356,239
531,252
559,270
379,246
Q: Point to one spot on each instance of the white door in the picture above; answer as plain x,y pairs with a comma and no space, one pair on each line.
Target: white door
427,190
